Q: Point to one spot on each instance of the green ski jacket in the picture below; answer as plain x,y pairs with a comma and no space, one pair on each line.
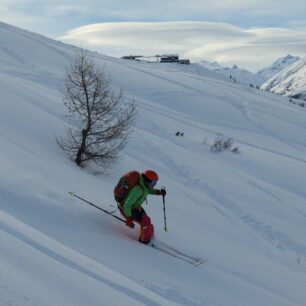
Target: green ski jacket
136,197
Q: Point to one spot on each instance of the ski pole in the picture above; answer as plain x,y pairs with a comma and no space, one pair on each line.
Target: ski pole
107,212
164,204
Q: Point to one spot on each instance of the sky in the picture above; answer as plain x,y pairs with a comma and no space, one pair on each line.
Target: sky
249,33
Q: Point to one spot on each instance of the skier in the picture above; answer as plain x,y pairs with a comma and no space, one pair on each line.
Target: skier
131,206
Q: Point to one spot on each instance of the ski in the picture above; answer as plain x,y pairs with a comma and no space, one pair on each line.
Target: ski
158,245
165,248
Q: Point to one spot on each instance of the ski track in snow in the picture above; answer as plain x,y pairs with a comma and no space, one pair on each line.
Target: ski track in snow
273,151
277,238
274,196
11,297
40,77
174,295
11,53
72,259
245,109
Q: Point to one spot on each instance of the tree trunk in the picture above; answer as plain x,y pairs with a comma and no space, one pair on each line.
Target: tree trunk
81,150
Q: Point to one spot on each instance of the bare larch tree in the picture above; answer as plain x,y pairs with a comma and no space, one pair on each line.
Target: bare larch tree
100,119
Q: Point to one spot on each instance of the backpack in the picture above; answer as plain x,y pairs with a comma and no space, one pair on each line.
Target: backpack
125,184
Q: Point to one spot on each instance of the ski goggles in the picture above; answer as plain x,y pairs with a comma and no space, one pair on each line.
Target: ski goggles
152,183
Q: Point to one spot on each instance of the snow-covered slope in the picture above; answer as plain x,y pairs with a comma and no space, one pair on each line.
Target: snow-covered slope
235,74
291,81
246,213
277,66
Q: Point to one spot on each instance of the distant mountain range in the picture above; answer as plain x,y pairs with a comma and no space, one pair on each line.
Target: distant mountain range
238,75
286,76
290,81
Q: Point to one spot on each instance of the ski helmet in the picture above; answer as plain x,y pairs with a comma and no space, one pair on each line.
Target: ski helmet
151,175
150,178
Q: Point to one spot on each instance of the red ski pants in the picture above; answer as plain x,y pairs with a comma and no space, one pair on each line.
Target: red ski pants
146,227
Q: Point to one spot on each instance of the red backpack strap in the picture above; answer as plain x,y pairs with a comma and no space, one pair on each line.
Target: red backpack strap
134,179
125,184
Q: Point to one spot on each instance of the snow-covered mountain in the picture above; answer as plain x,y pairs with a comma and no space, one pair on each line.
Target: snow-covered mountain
245,212
277,66
235,74
290,81
210,65
242,76
245,77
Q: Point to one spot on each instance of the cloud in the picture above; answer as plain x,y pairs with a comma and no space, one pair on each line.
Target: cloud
58,16
227,44
246,32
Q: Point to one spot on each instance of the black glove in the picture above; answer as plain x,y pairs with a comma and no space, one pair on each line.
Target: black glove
161,192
